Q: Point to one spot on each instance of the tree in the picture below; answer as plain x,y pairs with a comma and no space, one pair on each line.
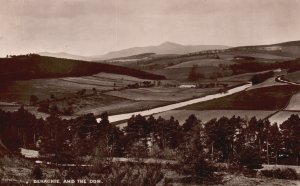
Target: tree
190,123
94,91
193,158
193,75
109,138
33,100
275,140
166,132
44,107
291,135
137,135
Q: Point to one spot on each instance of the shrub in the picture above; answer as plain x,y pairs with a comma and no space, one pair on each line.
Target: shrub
286,173
250,158
37,172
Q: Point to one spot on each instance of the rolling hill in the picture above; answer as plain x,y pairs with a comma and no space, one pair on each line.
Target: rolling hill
287,49
34,66
164,48
65,56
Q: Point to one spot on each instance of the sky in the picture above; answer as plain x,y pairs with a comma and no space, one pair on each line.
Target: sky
95,27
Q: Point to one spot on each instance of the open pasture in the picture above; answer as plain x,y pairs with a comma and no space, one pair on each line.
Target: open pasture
171,94
269,82
294,76
206,115
203,62
262,56
294,103
267,98
282,116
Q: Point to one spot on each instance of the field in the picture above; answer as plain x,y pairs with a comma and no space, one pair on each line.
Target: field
64,91
294,103
120,107
267,98
267,83
182,74
206,115
240,77
282,116
294,76
203,62
263,56
171,94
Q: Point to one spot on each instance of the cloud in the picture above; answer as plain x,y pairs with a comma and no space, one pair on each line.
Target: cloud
98,26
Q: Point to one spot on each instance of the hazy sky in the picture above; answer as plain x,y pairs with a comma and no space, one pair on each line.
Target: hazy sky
88,27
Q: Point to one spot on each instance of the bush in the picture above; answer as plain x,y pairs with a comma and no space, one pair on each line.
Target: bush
259,78
250,158
37,172
286,173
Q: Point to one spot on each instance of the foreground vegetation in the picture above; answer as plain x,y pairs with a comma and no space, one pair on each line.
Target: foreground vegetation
198,148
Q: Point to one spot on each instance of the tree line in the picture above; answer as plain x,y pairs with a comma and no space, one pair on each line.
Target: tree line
227,140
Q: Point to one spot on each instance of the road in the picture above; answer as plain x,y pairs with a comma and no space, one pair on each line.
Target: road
121,117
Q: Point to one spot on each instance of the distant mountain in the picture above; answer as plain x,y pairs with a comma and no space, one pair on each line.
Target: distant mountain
65,56
164,48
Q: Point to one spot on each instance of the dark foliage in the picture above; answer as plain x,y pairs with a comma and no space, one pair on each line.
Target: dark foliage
287,173
37,173
34,66
259,78
246,66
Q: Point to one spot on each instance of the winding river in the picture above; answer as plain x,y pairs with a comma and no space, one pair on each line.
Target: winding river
120,117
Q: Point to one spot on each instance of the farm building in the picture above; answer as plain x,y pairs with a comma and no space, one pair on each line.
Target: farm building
187,85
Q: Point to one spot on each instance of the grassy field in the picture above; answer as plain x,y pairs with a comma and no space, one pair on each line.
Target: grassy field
206,115
267,98
294,76
269,82
171,94
282,116
294,103
121,107
20,91
182,74
203,62
264,56
65,92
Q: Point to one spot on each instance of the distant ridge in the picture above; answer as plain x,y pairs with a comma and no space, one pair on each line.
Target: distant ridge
164,48
65,56
290,48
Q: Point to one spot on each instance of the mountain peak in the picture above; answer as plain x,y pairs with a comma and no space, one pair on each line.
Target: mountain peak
169,43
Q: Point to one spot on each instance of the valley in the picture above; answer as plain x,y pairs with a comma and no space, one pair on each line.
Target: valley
166,97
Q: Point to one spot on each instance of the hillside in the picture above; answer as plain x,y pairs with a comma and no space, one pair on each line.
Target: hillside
287,49
65,56
164,48
34,66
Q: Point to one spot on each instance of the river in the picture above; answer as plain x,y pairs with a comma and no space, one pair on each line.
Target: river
120,117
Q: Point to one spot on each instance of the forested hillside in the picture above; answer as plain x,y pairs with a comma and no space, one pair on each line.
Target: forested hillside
33,66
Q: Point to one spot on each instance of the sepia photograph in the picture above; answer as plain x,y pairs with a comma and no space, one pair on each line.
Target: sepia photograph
150,92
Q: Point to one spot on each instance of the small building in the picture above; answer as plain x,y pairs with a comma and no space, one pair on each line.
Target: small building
28,153
187,86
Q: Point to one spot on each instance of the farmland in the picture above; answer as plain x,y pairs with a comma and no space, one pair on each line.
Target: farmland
64,91
203,62
206,115
294,76
171,94
267,98
294,103
281,116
